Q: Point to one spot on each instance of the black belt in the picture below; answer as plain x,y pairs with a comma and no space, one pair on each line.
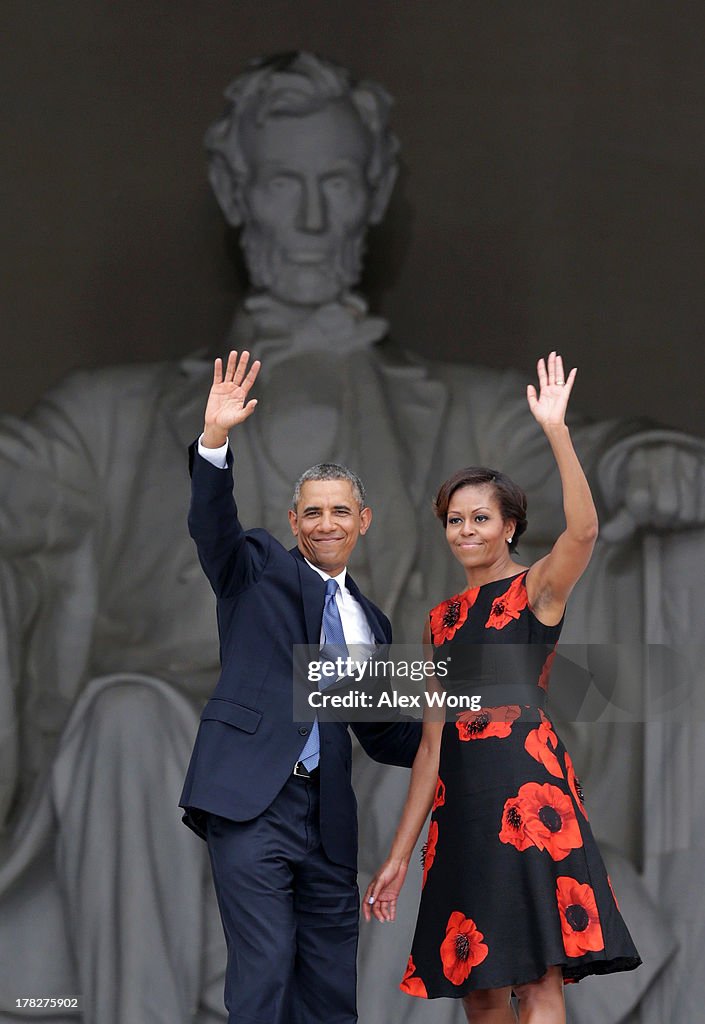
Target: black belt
302,772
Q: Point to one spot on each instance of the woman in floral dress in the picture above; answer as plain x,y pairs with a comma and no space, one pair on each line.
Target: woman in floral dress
515,900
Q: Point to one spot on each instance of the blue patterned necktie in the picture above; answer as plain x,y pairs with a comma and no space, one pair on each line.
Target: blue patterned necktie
334,646
333,636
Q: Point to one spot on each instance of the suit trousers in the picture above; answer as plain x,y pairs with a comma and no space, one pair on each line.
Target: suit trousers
290,915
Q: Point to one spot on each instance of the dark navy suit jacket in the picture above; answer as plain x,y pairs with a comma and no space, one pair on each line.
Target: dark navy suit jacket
269,599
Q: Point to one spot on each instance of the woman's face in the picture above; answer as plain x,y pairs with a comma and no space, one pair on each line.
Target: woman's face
475,531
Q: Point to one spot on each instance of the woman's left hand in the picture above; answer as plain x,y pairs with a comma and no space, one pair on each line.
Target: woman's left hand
381,895
548,408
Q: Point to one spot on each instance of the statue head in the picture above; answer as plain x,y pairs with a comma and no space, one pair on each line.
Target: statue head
302,159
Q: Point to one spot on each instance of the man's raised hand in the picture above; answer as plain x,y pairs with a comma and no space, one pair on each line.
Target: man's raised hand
227,402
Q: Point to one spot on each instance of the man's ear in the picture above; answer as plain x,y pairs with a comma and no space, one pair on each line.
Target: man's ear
365,519
293,522
226,188
381,194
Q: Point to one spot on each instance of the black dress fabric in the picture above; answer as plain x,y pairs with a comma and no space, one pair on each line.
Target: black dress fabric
513,879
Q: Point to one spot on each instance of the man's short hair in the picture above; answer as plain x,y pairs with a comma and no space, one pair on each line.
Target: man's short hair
330,471
299,83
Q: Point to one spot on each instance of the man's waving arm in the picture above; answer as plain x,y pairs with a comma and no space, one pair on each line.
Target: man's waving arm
222,544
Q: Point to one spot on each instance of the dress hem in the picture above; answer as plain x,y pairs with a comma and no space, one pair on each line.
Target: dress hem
572,974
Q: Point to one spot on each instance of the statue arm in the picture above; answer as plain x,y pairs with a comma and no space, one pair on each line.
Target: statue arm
16,608
47,497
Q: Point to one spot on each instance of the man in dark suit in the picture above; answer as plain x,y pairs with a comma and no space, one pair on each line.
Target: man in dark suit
272,796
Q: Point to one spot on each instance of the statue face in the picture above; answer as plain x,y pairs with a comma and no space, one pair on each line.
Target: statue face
306,203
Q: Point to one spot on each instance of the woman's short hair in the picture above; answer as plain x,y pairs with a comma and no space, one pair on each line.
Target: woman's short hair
510,497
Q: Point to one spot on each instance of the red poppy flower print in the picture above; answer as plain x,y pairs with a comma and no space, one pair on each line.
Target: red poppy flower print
514,825
551,820
429,850
508,605
541,744
546,671
411,985
542,816
580,923
574,783
609,882
487,722
462,949
440,797
448,616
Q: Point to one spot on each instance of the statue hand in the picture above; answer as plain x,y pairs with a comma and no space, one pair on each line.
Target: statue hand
660,486
549,407
227,402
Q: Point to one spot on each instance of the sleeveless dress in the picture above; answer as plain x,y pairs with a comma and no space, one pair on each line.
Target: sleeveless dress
513,880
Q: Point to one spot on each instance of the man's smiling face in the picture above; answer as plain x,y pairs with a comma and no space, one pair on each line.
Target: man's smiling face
327,523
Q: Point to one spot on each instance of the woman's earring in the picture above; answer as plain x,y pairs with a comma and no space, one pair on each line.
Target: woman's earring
509,540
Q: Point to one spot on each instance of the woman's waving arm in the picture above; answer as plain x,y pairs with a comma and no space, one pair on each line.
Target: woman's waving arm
551,579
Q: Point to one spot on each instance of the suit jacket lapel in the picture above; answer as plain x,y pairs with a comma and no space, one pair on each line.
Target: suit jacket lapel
313,593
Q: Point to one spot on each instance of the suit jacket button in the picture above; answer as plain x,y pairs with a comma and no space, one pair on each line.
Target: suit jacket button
303,731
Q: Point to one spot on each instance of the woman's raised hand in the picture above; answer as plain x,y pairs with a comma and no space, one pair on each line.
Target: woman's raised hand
227,402
548,407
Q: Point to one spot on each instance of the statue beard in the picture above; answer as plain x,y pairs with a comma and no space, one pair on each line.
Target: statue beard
303,284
